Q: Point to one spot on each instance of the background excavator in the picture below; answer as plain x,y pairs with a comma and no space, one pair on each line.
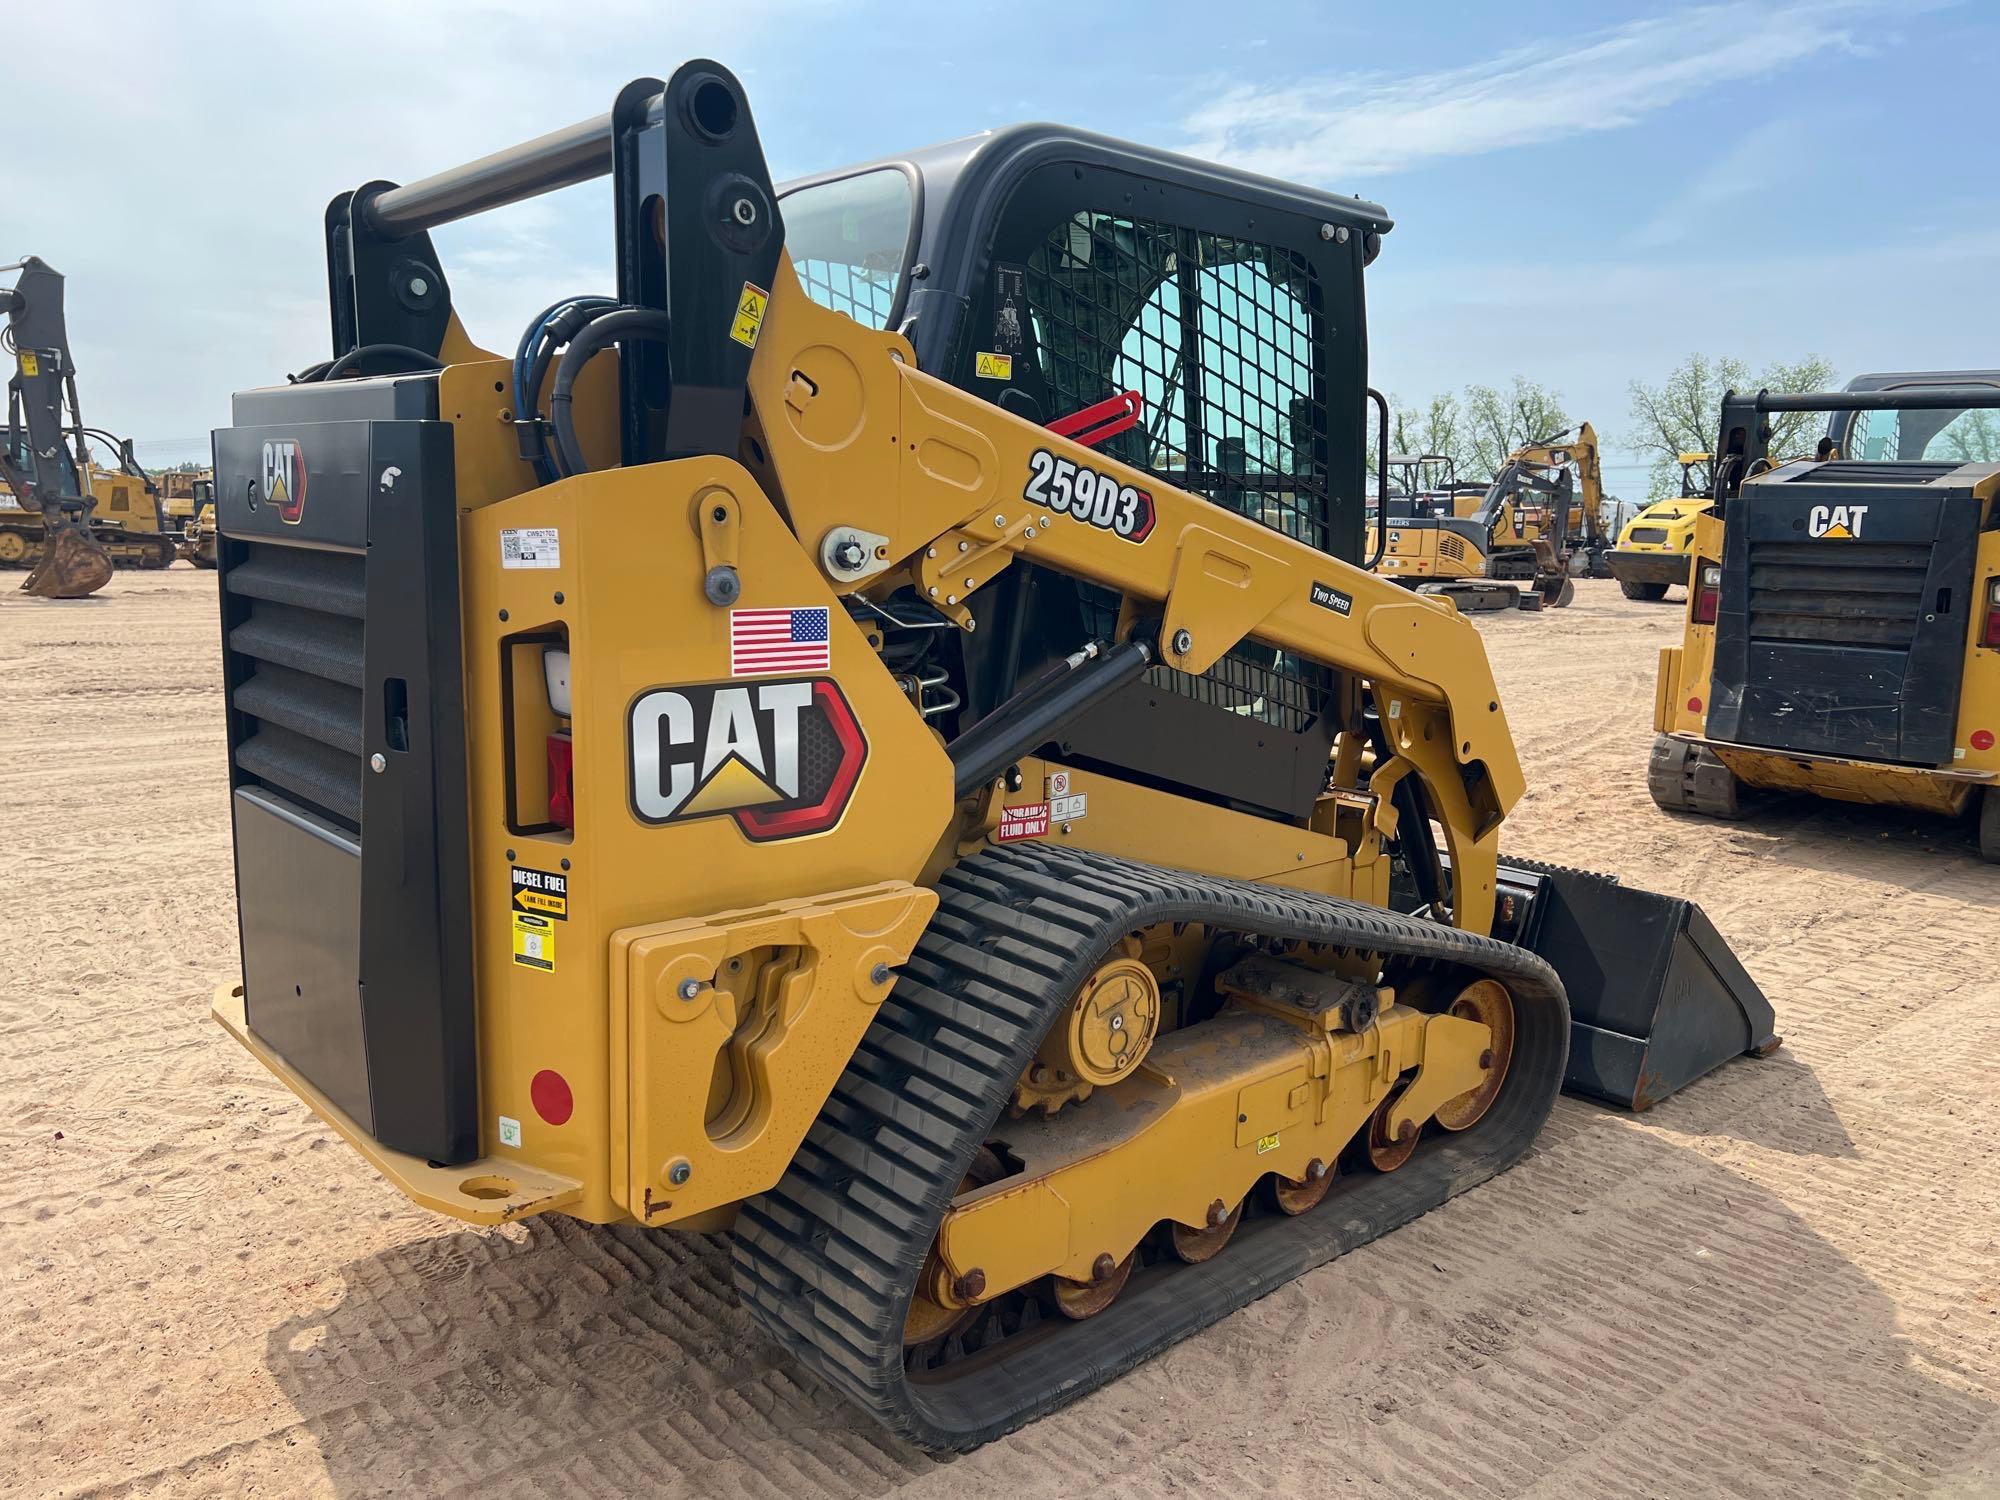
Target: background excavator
60,535
1518,544
872,738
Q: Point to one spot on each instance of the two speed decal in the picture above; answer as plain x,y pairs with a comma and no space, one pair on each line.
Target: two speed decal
1071,489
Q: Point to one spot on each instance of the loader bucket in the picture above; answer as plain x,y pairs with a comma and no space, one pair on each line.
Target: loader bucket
73,564
1656,997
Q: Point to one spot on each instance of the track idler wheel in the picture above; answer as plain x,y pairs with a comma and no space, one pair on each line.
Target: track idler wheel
1308,1192
1386,1152
1197,1245
1086,1299
1485,1001
929,1318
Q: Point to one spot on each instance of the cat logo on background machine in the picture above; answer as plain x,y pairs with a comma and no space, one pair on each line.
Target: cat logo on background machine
1835,521
782,758
285,479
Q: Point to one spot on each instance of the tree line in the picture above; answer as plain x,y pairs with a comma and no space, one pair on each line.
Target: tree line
1481,426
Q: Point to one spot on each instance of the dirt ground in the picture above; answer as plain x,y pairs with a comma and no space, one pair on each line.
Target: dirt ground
1785,1281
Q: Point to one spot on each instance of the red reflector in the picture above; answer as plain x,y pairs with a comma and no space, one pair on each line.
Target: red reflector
1991,635
562,782
1705,601
1982,739
1694,705
549,1093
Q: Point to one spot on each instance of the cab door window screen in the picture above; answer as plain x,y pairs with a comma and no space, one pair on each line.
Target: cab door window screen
1217,334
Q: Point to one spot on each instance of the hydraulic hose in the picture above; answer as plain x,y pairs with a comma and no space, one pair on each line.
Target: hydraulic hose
625,324
410,356
554,327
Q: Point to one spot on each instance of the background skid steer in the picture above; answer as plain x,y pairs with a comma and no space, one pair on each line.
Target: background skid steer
734,766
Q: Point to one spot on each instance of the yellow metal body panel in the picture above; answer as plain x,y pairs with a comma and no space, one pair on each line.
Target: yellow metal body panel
1126,819
1675,517
729,1031
1208,1113
1946,792
629,583
491,1190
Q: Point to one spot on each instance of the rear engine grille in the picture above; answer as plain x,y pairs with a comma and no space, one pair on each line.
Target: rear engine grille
1650,535
1451,547
298,676
1837,593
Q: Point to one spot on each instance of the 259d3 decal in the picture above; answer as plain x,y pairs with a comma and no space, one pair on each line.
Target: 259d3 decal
1099,500
781,757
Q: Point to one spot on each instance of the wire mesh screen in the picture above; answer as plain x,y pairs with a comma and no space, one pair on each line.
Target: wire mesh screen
1219,337
864,293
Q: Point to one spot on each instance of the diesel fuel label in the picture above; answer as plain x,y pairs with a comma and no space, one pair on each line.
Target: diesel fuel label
541,893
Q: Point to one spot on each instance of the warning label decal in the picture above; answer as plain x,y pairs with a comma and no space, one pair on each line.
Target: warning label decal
994,366
749,315
1030,820
534,942
542,893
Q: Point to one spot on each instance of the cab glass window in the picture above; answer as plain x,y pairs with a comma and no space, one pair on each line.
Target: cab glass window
848,240
1969,435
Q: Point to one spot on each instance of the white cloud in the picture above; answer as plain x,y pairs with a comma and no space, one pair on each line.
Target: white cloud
1757,167
179,174
1342,127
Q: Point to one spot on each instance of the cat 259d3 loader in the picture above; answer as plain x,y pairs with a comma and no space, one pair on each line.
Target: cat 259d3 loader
872,738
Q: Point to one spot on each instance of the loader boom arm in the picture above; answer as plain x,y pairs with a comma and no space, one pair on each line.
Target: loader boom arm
949,490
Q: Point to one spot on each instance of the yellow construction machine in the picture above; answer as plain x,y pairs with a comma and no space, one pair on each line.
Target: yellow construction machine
872,738
1843,623
64,518
188,499
1519,544
1653,550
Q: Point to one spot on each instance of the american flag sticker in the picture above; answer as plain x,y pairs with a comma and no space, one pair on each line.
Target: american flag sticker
767,641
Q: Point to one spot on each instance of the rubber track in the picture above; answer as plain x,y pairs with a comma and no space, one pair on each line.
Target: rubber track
827,1260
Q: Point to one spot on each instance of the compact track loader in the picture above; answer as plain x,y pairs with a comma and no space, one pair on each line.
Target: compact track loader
872,738
1843,622
53,526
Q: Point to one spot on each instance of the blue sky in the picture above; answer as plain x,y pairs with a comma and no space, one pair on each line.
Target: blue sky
1584,192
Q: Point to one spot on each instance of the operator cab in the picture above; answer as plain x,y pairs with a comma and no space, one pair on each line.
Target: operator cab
1205,325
